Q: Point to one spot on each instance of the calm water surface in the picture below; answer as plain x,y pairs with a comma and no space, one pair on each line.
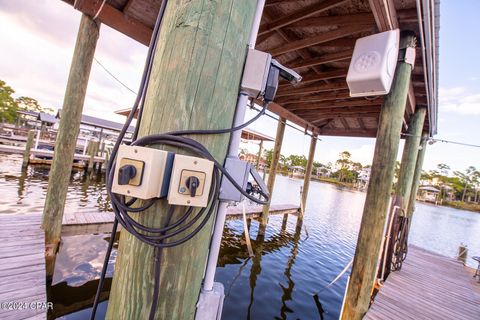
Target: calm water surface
287,277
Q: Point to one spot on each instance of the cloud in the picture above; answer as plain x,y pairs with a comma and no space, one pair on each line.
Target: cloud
459,100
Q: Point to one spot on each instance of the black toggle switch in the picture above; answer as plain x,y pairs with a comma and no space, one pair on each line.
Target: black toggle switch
192,184
126,173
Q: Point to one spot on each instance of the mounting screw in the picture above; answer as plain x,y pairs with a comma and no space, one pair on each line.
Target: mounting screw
182,189
188,201
135,150
128,191
195,162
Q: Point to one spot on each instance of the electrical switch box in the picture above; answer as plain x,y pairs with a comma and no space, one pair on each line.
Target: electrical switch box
240,171
255,74
373,64
190,181
142,172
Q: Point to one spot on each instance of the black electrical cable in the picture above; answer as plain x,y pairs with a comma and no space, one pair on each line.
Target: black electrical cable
157,237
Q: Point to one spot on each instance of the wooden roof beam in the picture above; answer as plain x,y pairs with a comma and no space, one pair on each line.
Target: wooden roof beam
299,15
312,89
326,75
336,95
334,104
290,116
340,20
116,19
318,39
369,133
323,59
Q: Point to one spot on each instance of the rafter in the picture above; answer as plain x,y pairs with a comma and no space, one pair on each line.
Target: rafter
290,116
323,59
340,20
318,39
116,20
332,104
299,15
312,89
341,94
349,133
326,75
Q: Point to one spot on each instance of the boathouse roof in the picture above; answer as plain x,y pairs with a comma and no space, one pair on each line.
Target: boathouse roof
316,38
100,123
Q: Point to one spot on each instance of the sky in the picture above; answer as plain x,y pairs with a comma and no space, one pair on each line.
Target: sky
38,38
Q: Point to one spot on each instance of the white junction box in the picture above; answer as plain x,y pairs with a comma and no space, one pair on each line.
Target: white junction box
190,181
255,74
142,172
373,64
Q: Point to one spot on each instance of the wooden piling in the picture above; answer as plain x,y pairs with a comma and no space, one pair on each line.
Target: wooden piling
28,147
68,130
272,172
93,149
194,85
308,174
409,157
259,156
417,174
360,286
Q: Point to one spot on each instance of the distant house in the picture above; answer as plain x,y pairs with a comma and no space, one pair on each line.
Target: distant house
363,178
296,171
252,158
428,194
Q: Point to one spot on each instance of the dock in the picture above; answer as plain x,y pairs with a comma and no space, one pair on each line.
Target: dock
78,223
22,267
429,286
46,154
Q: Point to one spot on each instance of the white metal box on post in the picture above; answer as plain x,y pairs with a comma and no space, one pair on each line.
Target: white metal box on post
373,64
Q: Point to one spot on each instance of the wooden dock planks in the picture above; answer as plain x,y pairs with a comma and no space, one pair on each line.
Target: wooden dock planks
22,267
429,286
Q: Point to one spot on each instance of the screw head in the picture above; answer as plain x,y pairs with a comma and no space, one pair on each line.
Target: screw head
188,201
195,162
182,189
128,191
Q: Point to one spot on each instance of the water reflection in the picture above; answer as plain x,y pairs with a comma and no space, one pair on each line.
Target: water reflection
287,276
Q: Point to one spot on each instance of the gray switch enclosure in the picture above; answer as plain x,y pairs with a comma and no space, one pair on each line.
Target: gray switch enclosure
240,171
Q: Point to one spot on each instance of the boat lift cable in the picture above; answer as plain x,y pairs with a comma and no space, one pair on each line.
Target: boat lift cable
114,77
157,237
433,140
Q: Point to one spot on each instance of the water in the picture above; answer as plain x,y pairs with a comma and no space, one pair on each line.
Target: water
280,283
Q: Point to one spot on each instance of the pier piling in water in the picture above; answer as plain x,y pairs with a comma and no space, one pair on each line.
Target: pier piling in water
308,173
28,147
68,130
409,156
273,169
418,172
360,286
195,89
93,150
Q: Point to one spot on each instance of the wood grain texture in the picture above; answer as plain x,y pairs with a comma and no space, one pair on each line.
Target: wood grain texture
194,85
22,265
69,128
308,172
367,252
417,174
28,146
272,172
409,156
429,286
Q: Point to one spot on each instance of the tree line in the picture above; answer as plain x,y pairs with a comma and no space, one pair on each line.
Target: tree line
9,106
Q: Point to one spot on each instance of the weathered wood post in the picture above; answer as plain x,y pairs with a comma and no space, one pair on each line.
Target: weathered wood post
93,150
28,147
197,88
360,286
409,157
418,172
308,173
67,134
259,156
272,172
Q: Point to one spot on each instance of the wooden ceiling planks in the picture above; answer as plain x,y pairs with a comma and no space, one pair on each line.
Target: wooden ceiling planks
316,38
